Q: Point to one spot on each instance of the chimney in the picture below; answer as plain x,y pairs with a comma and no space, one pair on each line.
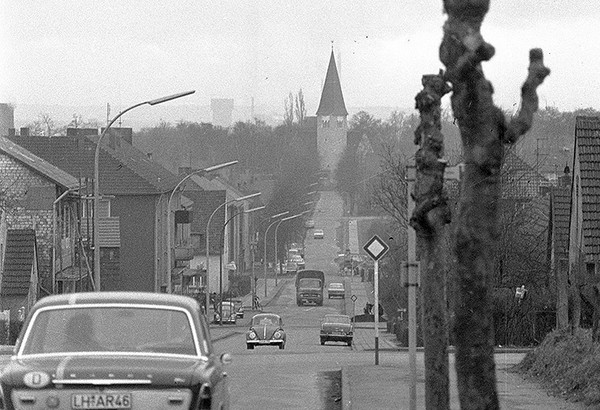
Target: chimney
24,131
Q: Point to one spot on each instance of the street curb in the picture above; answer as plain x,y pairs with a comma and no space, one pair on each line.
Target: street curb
346,394
277,290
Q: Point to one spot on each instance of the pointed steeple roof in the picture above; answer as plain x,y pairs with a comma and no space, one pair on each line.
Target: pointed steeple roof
332,99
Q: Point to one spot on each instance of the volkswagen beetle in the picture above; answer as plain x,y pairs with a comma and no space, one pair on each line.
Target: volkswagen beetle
266,329
117,350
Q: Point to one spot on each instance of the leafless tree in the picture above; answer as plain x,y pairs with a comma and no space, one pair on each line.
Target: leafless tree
484,131
429,219
288,113
300,107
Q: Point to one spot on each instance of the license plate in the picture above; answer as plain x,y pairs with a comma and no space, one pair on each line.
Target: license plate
101,401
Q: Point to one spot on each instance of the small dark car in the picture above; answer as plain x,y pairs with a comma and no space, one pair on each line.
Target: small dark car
266,329
117,350
337,328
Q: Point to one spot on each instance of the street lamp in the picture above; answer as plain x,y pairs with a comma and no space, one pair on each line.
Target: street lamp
207,241
276,228
199,172
265,246
97,182
247,211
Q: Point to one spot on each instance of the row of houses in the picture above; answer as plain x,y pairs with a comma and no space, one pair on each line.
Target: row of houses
47,229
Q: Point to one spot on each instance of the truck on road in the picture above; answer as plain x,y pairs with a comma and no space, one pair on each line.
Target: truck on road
309,287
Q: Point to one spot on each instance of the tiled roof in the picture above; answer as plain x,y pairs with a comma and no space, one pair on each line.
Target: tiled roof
37,164
332,99
519,179
18,262
124,169
587,138
560,202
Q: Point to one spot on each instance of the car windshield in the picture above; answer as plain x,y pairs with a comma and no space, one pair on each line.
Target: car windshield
310,283
336,285
336,319
265,320
110,329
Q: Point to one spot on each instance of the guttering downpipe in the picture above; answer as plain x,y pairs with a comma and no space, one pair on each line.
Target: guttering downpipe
57,200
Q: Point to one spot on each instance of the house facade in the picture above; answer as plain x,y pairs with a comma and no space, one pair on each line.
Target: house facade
133,210
41,197
584,225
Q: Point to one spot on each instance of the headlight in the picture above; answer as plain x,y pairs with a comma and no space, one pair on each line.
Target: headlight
277,335
252,335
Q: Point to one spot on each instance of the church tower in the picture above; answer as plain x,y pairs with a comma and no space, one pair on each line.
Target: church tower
332,121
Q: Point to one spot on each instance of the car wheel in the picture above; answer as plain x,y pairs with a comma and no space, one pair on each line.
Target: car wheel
281,346
349,342
249,346
322,342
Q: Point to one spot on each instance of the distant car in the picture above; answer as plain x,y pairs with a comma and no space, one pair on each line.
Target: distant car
125,350
336,290
299,260
239,308
291,268
309,224
266,329
229,312
337,328
318,234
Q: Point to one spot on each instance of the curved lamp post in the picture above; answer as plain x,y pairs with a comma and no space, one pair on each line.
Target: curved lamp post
207,241
265,246
97,195
276,228
258,208
199,172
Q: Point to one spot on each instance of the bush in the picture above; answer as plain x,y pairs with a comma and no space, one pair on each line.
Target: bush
569,364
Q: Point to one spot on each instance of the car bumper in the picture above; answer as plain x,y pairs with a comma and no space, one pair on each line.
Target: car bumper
337,295
336,337
265,342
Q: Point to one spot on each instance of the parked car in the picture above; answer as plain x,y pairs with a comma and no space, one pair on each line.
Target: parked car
318,234
229,313
299,260
291,268
266,329
125,350
337,328
336,290
239,308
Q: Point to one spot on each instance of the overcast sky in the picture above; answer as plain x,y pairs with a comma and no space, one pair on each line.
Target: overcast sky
79,52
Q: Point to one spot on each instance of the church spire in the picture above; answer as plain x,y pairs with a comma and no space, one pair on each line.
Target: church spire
332,99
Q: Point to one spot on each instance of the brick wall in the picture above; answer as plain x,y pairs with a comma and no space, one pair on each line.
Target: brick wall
15,183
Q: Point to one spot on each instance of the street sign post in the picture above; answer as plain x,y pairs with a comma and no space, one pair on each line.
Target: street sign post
376,248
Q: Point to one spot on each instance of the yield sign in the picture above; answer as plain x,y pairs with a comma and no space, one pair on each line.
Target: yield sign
376,248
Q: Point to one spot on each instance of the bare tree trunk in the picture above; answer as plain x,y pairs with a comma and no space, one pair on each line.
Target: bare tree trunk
483,131
430,216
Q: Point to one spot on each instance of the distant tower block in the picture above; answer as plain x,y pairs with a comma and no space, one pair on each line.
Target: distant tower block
332,121
222,110
7,118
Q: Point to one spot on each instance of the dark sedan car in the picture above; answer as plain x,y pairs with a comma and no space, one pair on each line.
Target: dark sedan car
337,328
266,329
117,350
